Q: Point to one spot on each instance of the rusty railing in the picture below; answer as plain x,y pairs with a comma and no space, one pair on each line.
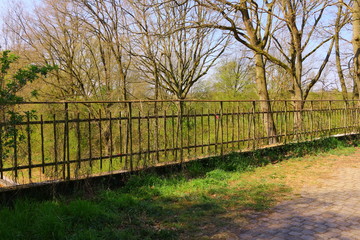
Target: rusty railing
45,141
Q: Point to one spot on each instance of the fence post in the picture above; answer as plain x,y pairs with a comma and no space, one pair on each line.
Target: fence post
111,142
139,139
312,121
286,123
100,140
357,117
222,130
55,145
345,115
15,152
130,135
78,135
180,127
1,150
157,142
254,122
67,142
89,140
42,143
330,116
29,143
2,127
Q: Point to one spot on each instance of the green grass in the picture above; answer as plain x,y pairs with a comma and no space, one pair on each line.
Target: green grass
189,204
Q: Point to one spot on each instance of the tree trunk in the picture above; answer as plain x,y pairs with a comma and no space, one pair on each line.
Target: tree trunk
356,40
298,107
264,97
337,54
355,91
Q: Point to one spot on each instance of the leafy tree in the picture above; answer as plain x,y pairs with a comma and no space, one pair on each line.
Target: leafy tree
10,85
235,78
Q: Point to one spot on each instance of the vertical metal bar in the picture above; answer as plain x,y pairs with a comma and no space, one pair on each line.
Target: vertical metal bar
148,137
42,143
180,127
67,140
174,151
338,113
330,116
139,138
238,126
216,128
90,140
357,117
249,124
28,131
266,132
15,152
286,122
243,127
254,125
78,135
352,118
209,132
55,144
202,130
130,135
165,134
222,129
1,150
157,138
227,128
346,119
312,120
195,134
100,140
121,150
64,148
188,132
280,115
111,141
233,129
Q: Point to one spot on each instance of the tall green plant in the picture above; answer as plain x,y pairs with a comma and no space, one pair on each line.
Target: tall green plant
10,86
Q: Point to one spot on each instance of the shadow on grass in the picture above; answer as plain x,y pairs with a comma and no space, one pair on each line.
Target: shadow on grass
191,204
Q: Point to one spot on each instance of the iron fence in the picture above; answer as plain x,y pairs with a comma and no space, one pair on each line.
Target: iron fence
45,141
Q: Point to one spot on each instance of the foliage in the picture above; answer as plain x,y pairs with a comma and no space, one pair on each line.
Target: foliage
234,78
10,85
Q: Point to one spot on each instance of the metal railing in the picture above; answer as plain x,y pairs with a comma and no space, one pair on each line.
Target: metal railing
45,141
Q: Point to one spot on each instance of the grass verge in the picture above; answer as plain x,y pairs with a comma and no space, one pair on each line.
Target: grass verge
193,204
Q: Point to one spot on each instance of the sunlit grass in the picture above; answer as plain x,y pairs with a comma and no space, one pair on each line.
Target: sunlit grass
191,204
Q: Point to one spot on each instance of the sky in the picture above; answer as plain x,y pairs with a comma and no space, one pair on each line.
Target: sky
6,4
30,4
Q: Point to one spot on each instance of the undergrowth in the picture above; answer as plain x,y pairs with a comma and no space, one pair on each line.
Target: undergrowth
188,204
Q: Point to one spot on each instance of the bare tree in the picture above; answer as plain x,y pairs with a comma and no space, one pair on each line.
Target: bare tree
353,6
297,20
342,18
355,11
174,60
251,24
105,19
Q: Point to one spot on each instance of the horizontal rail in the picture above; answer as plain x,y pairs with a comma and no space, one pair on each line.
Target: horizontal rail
174,100
65,140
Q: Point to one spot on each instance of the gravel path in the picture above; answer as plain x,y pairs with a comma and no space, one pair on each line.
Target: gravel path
329,211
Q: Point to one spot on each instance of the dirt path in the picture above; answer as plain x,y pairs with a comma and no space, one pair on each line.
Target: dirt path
330,210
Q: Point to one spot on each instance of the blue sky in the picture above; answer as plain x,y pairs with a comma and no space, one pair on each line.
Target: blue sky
6,4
